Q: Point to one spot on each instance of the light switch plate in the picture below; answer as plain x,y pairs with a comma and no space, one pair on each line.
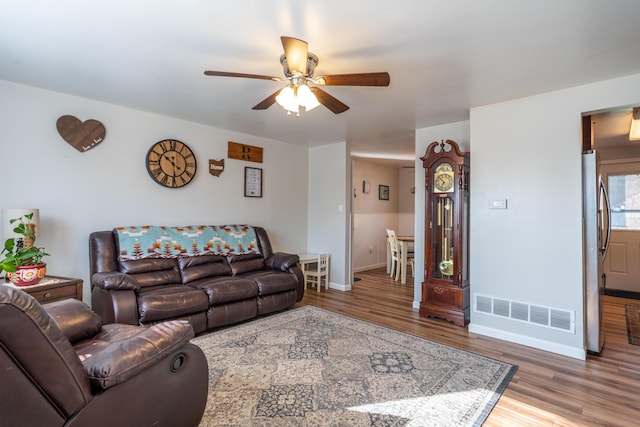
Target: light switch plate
498,204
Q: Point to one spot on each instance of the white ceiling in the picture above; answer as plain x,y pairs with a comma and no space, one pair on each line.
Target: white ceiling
443,57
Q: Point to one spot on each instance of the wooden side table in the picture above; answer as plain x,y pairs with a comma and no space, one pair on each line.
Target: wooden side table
54,288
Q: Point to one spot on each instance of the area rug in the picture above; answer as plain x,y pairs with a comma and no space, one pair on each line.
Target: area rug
632,313
311,367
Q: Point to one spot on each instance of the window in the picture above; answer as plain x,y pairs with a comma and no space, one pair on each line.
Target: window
624,196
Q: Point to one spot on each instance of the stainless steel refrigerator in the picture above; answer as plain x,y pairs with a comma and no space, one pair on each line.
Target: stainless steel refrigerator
596,224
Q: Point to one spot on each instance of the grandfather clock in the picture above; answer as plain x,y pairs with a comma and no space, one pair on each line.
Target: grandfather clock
445,290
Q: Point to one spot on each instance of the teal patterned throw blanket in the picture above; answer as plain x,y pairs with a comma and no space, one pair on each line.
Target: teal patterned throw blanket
174,242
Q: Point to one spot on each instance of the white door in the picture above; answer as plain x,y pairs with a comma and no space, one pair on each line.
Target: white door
622,264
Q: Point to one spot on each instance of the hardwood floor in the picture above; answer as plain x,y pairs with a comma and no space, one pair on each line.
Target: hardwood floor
547,389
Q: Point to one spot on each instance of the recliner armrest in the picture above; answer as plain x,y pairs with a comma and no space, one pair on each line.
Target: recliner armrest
114,280
75,319
113,362
282,261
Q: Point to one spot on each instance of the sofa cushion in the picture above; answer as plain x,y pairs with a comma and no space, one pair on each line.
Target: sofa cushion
203,267
272,282
152,272
221,290
166,302
245,263
75,319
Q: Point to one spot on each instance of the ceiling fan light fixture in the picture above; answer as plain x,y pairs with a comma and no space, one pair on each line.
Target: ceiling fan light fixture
306,98
287,99
292,97
634,131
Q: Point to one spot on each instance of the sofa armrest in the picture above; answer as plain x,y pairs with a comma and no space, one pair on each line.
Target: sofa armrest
113,280
119,361
74,318
282,261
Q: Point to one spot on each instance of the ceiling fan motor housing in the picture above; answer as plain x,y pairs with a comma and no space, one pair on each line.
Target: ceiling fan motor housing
312,63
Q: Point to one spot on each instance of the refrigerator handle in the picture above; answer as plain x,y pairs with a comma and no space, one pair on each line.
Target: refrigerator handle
605,246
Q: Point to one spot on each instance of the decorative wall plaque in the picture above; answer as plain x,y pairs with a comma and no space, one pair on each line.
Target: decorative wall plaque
252,182
216,167
383,192
249,153
80,135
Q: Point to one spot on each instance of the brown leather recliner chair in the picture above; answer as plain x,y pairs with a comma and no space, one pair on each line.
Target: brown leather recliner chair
60,366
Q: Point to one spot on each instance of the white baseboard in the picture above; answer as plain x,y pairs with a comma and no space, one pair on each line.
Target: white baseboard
369,267
552,347
336,286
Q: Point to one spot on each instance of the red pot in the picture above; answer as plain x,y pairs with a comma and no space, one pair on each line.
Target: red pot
27,275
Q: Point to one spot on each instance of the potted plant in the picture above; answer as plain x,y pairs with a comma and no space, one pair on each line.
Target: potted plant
22,260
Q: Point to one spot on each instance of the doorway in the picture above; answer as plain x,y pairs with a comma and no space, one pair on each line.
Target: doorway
383,198
620,167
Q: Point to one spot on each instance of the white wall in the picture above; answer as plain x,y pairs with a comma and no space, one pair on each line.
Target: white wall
406,201
458,132
108,186
528,151
329,209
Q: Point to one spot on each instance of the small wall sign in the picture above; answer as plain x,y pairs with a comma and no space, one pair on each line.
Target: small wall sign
252,182
383,192
82,136
246,152
216,167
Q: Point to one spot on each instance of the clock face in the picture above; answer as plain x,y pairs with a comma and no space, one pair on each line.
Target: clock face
444,182
171,163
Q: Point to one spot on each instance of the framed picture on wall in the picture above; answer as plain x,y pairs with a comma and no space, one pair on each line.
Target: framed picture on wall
252,182
383,192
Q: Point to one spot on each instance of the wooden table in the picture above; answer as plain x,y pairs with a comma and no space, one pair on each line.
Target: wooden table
53,288
403,244
307,259
403,247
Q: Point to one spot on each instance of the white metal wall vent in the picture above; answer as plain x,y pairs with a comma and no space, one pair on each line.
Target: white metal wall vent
564,320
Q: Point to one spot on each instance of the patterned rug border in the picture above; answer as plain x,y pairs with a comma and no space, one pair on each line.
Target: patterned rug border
633,328
230,333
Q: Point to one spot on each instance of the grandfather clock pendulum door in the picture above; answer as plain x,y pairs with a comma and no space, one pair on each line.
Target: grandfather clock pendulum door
445,290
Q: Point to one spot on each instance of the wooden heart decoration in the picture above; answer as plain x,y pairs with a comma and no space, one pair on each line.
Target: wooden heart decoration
82,136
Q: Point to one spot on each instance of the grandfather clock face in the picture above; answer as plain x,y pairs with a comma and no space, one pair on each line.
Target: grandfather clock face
443,178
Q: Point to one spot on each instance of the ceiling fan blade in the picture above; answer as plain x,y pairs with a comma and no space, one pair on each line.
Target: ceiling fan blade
244,75
360,79
267,102
329,101
295,50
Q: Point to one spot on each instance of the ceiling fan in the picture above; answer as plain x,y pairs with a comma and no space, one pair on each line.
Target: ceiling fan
302,90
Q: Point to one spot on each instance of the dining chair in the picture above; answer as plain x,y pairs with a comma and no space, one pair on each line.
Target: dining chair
395,253
394,250
320,275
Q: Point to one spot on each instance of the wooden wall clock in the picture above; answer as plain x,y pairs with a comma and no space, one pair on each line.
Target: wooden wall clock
445,290
171,163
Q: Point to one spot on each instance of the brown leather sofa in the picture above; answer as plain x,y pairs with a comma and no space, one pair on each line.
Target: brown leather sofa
209,289
60,366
